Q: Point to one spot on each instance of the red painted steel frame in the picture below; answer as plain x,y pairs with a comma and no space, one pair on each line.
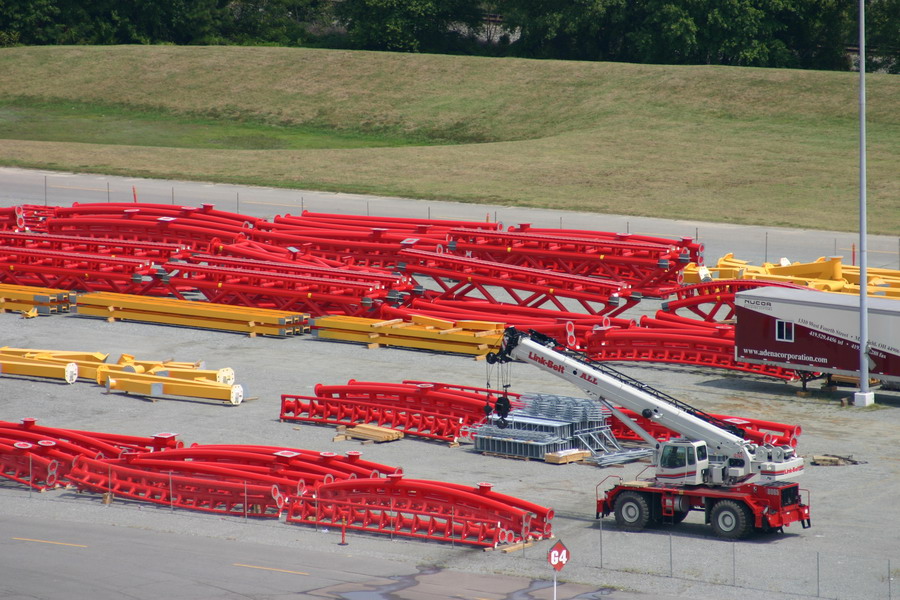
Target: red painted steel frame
653,269
420,509
469,278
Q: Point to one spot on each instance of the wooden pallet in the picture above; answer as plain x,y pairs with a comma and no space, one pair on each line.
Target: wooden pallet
564,457
373,433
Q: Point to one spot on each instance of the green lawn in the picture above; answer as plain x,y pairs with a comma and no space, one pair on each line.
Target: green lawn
741,145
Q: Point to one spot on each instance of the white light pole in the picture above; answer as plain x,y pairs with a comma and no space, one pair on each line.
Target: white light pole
864,397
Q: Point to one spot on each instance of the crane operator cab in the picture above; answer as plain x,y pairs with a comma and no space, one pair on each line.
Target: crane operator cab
682,462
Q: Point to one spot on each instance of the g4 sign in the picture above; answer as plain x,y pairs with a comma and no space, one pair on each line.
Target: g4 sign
558,556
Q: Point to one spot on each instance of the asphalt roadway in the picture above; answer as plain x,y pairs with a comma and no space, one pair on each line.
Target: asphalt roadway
61,544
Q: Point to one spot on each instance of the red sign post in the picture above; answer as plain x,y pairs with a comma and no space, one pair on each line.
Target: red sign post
558,556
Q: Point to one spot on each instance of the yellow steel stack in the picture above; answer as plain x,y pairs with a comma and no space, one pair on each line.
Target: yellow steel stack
34,300
155,379
826,273
426,333
187,313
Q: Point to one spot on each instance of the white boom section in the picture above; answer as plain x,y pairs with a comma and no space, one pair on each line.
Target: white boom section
601,385
769,463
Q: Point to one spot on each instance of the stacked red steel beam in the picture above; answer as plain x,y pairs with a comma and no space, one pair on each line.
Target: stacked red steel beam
569,284
432,410
758,431
651,266
458,277
697,328
315,488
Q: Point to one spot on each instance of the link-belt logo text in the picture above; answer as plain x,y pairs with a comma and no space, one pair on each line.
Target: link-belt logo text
544,362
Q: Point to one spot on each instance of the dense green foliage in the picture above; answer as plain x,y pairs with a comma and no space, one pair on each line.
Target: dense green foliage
766,33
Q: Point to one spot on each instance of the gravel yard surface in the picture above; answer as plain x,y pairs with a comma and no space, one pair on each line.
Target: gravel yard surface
854,507
851,551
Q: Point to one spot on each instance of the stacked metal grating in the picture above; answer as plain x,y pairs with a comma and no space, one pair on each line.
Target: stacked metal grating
517,442
548,423
583,412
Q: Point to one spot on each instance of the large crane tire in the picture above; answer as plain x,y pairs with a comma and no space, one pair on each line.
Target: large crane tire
731,520
632,511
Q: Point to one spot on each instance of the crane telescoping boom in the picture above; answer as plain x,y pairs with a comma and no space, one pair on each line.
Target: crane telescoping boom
732,459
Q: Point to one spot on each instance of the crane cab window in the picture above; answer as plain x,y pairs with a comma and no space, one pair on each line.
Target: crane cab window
674,457
701,453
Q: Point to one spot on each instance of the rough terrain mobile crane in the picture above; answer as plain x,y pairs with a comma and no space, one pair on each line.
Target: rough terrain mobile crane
739,485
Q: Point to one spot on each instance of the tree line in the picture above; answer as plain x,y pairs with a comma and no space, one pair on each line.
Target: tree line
808,34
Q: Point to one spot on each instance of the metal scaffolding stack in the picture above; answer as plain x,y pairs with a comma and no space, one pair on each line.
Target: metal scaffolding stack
520,443
584,412
547,423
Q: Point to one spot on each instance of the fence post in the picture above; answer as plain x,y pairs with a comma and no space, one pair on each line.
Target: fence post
818,589
670,554
601,543
734,564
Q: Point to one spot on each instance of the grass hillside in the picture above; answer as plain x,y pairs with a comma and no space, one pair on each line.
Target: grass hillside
742,145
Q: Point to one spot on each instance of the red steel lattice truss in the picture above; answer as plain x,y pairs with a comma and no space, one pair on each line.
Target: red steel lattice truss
263,481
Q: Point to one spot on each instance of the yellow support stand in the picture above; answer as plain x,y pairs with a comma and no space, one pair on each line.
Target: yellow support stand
11,364
156,386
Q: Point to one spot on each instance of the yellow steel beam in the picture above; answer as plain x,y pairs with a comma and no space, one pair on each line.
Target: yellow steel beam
438,345
224,375
374,327
192,308
128,359
19,365
250,327
73,355
157,386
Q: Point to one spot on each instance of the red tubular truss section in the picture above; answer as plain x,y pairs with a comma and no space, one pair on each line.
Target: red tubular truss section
469,278
96,443
694,249
678,346
216,494
714,300
376,278
350,465
418,509
393,222
260,481
162,229
425,409
205,213
312,294
35,465
652,269
157,252
72,271
342,411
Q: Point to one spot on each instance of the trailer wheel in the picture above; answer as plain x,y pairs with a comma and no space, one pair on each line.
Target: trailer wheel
632,511
731,520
